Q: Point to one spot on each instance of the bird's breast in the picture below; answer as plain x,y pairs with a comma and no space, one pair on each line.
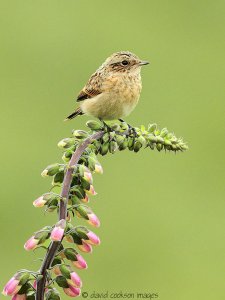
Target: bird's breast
128,88
118,98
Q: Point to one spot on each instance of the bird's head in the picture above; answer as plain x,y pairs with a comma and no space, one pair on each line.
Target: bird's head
124,62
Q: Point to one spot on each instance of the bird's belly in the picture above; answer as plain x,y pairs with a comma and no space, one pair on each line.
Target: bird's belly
109,106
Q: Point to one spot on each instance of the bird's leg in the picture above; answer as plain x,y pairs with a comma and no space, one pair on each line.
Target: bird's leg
131,128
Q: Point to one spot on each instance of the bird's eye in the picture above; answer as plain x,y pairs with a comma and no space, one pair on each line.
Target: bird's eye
125,62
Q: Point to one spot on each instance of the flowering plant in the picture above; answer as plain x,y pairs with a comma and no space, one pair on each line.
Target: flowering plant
74,175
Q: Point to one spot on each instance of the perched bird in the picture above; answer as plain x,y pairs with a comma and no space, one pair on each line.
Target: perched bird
113,91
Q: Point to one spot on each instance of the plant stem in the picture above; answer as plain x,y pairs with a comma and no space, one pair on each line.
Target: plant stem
52,250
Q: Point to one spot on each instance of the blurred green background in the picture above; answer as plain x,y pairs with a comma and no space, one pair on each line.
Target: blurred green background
162,215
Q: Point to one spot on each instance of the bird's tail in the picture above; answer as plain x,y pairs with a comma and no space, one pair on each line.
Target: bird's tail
78,112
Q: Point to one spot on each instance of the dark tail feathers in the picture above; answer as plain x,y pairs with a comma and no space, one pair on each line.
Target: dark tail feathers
78,112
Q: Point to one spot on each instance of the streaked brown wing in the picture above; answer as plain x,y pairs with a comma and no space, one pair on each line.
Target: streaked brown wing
87,94
92,88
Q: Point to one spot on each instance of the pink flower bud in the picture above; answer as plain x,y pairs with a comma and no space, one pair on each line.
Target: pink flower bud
31,244
91,191
84,247
74,280
98,168
88,177
93,239
39,202
93,220
19,297
11,287
58,231
72,291
80,263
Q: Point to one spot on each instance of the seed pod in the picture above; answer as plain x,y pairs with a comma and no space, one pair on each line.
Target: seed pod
164,132
184,147
115,127
130,143
168,147
66,143
120,139
112,147
112,135
167,142
159,147
152,127
97,145
94,125
124,126
141,140
152,138
152,145
91,163
137,146
104,148
80,134
105,137
123,145
160,140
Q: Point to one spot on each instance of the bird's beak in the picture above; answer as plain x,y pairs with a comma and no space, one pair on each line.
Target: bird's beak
143,62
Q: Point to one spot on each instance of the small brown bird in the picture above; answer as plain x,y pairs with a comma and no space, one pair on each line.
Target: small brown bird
113,91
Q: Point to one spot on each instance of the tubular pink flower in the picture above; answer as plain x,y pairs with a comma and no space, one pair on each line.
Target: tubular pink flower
98,168
72,291
93,220
58,231
84,247
11,287
74,280
19,297
80,263
91,191
31,244
93,238
39,202
57,234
